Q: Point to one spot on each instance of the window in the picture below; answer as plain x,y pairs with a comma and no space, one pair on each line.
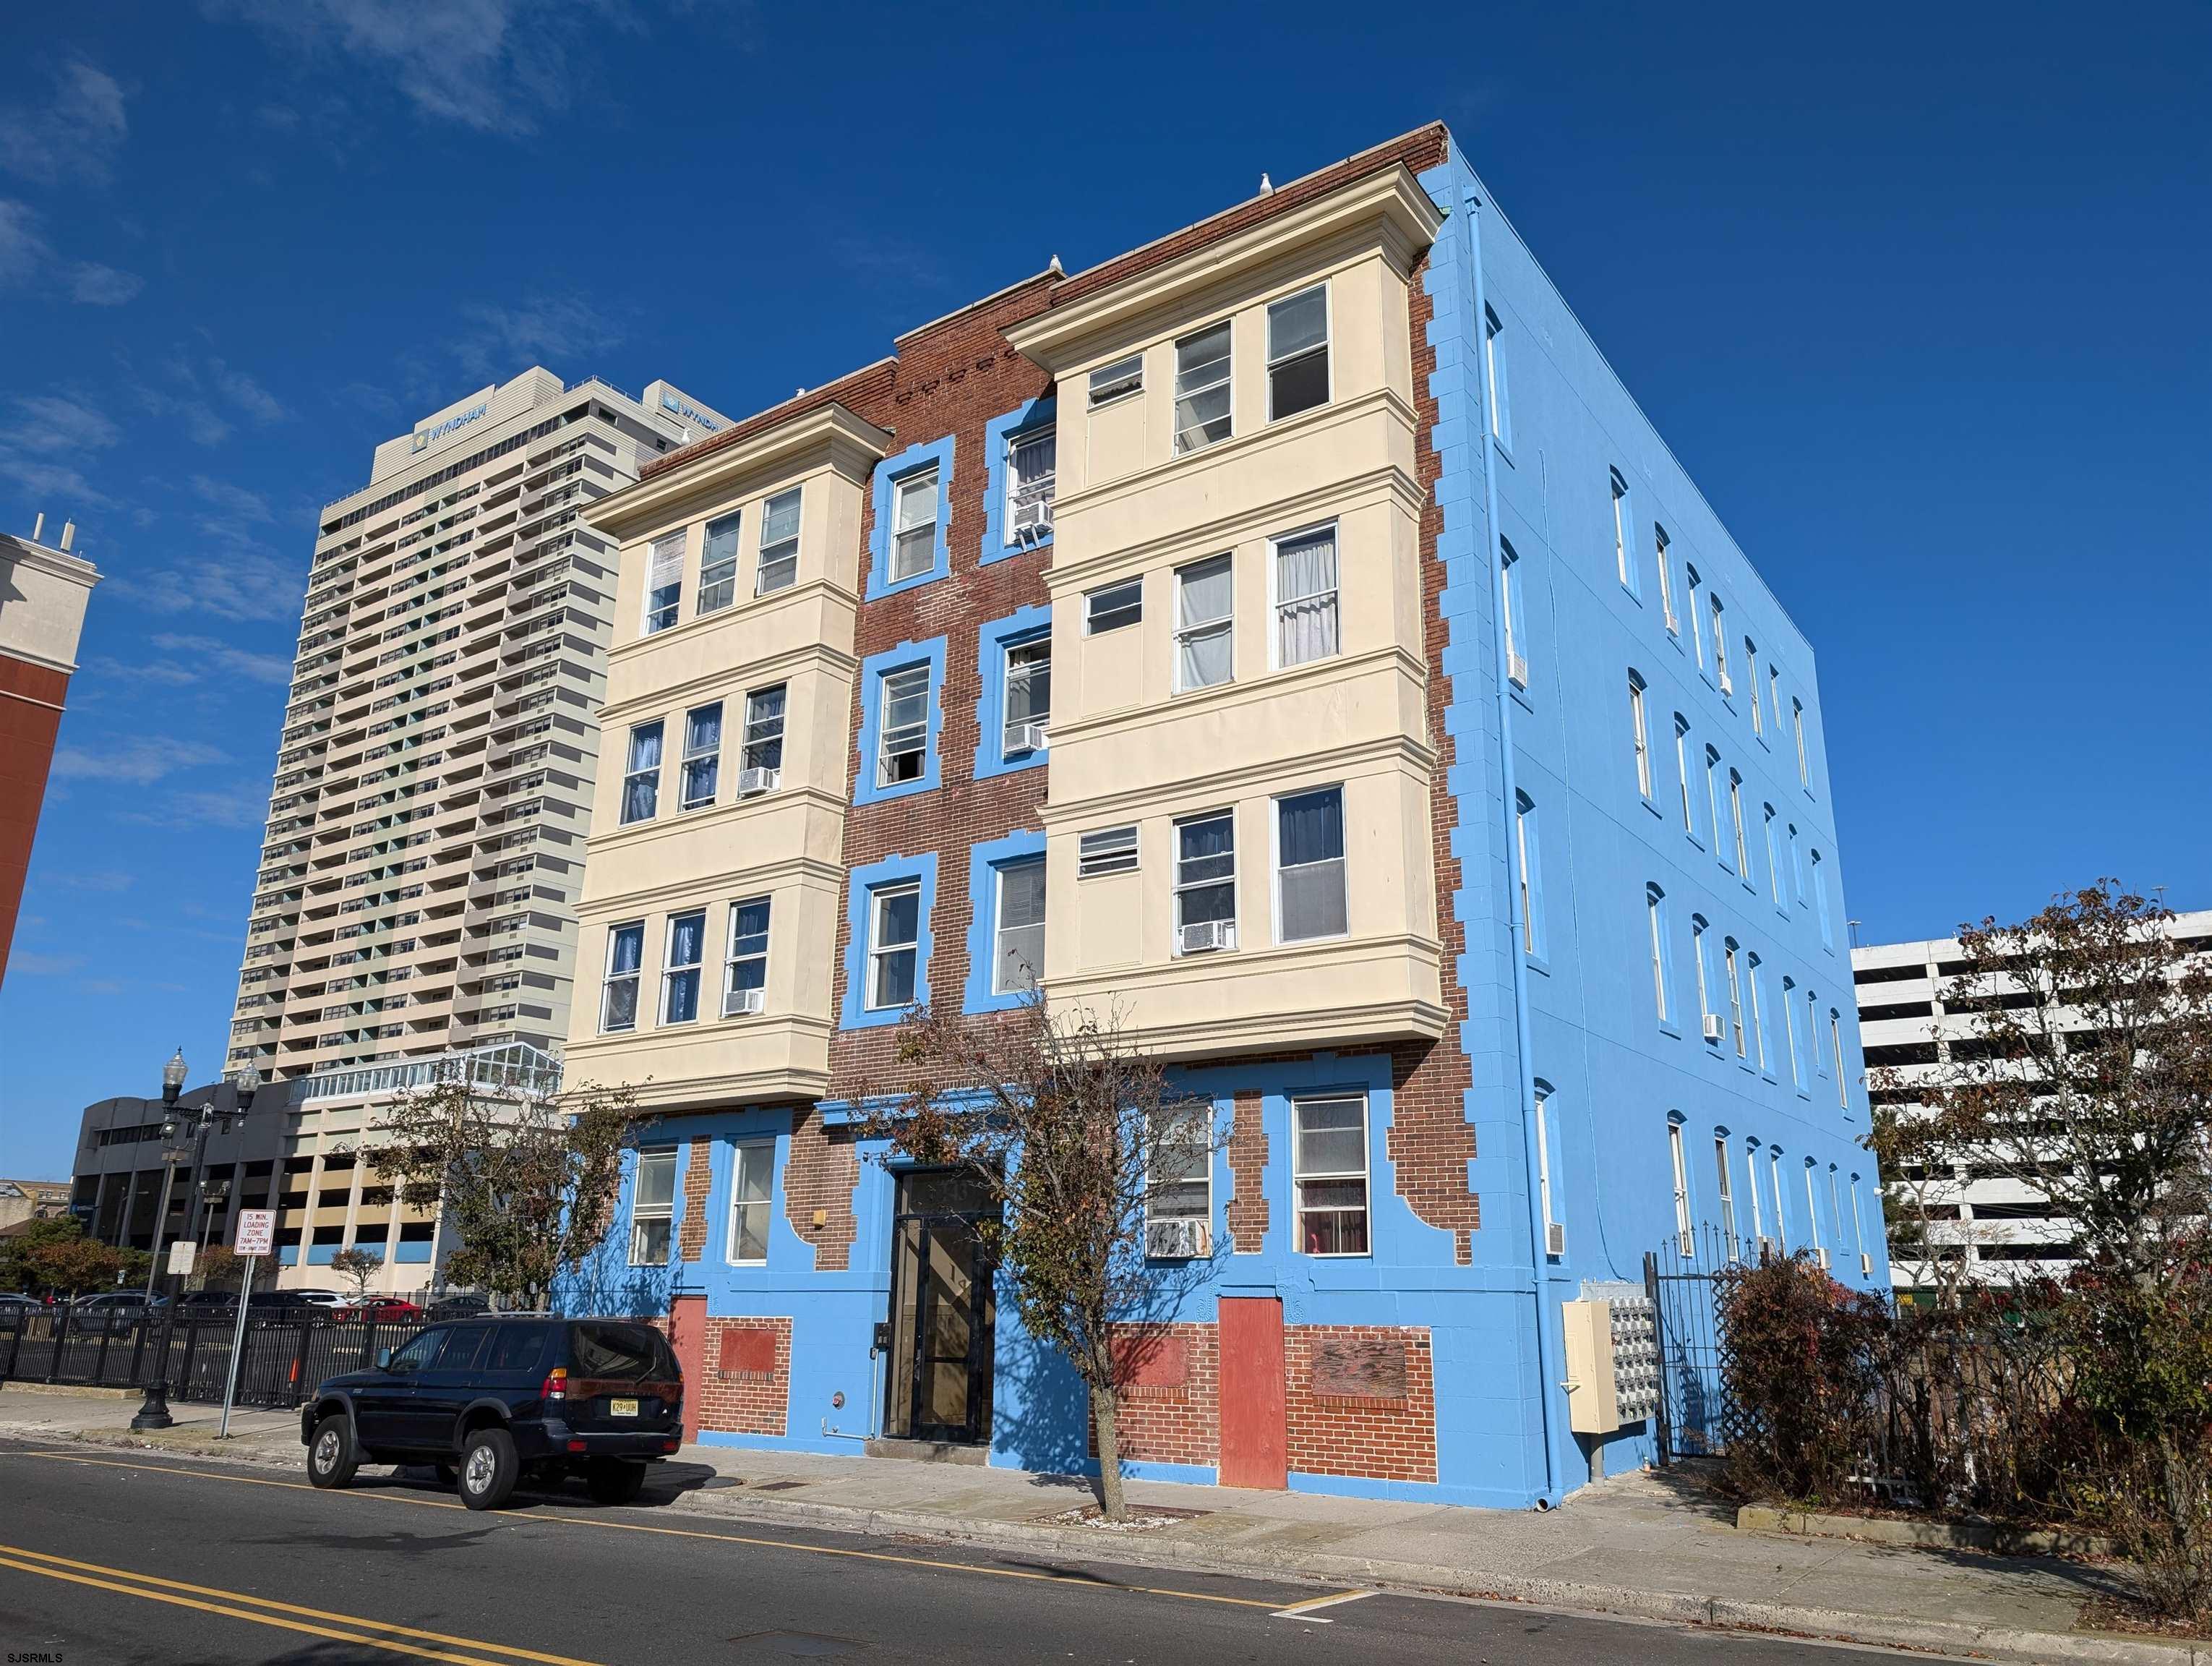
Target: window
1544,1158
761,767
1109,850
1751,676
778,566
1638,734
1524,850
1305,597
1858,1237
744,977
641,776
1329,1172
1812,1031
1117,381
1205,882
1835,1206
1655,907
1735,813
1781,1215
618,994
1812,1208
914,525
1666,580
1509,613
1797,863
1797,722
664,583
1758,1009
1032,464
653,1206
1821,904
1713,798
1705,994
894,945
1028,695
1720,649
1179,1178
1751,1190
717,565
1725,1192
702,755
1685,1234
1493,362
1298,352
1697,630
1019,960
1835,1045
679,973
1309,899
1205,650
1734,977
1624,537
753,1178
902,742
1790,1032
1773,863
1113,607
1682,770
1201,389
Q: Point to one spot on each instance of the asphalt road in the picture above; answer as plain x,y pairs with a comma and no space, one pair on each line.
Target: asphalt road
119,1557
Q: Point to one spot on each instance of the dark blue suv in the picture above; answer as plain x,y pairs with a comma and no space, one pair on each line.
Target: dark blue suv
492,1399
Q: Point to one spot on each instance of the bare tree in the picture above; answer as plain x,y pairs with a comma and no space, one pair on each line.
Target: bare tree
354,1268
1074,1132
529,1184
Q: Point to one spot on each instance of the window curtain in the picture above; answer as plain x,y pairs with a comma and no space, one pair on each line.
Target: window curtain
1204,593
1305,592
1309,843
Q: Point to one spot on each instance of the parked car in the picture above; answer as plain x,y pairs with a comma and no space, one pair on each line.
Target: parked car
12,1302
117,1309
465,1305
196,1303
380,1310
495,1399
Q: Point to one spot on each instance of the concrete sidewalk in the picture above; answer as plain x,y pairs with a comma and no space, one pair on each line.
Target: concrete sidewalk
1653,1546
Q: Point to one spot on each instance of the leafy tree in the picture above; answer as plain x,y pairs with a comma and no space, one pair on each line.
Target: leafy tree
219,1267
1071,1130
528,1184
354,1268
55,1257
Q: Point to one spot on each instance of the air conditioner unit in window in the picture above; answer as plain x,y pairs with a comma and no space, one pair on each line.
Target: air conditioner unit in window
1204,936
1024,738
738,1002
1728,684
1767,1247
758,780
1177,1238
1555,1237
1517,667
1032,519
1712,1026
1865,1265
1822,1252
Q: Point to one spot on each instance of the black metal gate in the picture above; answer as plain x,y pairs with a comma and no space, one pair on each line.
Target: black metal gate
282,1361
1682,1278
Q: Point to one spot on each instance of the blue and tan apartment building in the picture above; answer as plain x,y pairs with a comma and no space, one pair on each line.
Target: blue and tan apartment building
1290,637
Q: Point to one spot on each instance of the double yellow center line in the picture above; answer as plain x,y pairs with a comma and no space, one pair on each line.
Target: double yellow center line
284,1616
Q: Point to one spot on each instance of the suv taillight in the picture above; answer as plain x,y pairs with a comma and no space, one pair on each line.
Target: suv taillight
555,1385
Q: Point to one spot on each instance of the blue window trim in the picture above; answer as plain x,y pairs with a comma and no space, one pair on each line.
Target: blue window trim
866,879
912,460
873,670
1030,624
984,862
999,434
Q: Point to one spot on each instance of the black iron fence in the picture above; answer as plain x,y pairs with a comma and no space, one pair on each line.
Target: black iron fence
282,1359
1682,1279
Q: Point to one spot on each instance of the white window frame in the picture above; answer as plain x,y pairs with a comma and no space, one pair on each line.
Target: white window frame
1509,585
902,675
1301,1176
1654,903
1009,674
1283,361
1836,1042
1698,929
756,738
1773,858
711,758
1813,1207
1733,972
1496,368
1278,605
1682,768
1753,968
1727,1191
742,1151
623,818
1624,534
671,969
1525,811
1543,1112
1804,765
920,485
710,580
879,951
1227,362
1102,851
1720,642
668,547
999,926
1735,814
1188,630
1758,1208
643,1214
732,960
1666,580
1041,490
1781,1213
1135,609
1790,1032
1692,584
771,557
1178,885
609,977
1685,1227
1342,861
1751,676
1121,379
1641,735
1201,1175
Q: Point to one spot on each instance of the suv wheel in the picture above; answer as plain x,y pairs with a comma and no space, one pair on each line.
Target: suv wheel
614,1480
331,1454
489,1469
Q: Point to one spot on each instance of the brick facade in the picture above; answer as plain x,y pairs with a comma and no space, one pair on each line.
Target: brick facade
698,1177
1170,1411
1248,1168
822,1172
1349,1418
745,1388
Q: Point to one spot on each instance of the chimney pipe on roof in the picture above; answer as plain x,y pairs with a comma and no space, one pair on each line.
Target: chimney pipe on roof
39,526
69,532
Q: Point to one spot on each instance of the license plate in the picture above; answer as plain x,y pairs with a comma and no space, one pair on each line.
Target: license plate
622,1408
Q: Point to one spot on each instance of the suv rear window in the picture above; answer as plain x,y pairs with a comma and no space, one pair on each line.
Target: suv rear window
625,1353
516,1348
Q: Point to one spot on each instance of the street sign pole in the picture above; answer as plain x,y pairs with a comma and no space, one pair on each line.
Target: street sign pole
257,1233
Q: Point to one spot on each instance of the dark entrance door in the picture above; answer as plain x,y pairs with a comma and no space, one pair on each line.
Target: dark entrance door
942,1310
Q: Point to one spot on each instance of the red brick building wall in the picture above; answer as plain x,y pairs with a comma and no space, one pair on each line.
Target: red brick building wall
1170,1411
1247,1169
30,716
746,1387
1361,1400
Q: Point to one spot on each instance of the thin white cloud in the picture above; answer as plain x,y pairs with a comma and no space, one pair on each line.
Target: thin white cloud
25,254
248,395
73,137
241,581
44,965
223,659
29,261
44,439
242,807
138,762
95,285
236,502
110,880
503,341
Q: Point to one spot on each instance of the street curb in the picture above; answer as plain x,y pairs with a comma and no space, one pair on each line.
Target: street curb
1924,1535
72,1392
1777,1618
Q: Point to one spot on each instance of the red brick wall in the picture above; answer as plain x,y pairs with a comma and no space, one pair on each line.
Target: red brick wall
30,715
822,1171
1171,1412
1247,1169
744,1387
698,1175
1377,1435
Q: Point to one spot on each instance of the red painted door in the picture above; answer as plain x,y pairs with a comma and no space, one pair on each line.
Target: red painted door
1255,1448
687,1338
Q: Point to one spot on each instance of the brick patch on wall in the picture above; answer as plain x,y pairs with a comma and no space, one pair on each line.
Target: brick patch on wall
747,1386
1248,1167
1171,1413
1344,1418
698,1175
821,1174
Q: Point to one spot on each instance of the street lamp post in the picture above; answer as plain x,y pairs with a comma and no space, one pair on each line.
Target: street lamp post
154,1410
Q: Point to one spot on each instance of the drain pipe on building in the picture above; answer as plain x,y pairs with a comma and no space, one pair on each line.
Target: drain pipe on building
1548,1366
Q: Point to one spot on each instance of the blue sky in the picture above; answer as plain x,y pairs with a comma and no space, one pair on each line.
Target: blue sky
1917,298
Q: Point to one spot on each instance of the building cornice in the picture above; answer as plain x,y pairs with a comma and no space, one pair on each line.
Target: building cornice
851,443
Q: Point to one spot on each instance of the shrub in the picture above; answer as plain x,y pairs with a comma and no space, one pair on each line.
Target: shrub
1801,1378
